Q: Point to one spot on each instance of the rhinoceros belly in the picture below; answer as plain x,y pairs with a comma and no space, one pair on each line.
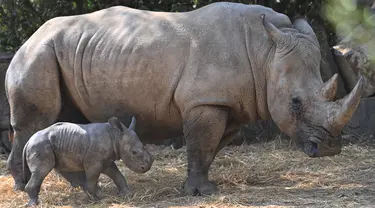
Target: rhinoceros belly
69,163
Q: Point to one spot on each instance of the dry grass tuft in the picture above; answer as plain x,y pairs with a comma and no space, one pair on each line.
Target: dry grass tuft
272,174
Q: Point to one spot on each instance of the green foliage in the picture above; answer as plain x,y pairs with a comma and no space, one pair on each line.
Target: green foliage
21,18
348,17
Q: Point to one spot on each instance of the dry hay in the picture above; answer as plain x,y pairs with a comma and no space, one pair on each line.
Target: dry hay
273,174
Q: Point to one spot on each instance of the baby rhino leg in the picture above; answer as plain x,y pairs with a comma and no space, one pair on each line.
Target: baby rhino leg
114,173
76,179
92,170
40,164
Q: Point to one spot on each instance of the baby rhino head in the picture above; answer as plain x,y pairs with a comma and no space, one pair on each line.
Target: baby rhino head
131,150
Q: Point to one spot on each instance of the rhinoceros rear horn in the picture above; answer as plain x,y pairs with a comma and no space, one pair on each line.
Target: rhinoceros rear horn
329,89
276,34
348,105
132,124
301,24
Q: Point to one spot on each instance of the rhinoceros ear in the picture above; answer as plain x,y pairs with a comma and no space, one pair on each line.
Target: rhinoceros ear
115,123
132,124
277,35
301,24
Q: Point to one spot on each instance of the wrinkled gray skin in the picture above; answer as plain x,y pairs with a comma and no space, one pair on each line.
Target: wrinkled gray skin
90,149
201,74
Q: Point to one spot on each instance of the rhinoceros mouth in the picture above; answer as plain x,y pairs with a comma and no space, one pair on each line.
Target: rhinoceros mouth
315,147
311,148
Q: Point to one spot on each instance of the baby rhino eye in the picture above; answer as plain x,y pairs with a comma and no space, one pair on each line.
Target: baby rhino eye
296,104
134,152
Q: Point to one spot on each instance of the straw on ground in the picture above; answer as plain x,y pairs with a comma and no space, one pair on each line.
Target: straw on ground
272,174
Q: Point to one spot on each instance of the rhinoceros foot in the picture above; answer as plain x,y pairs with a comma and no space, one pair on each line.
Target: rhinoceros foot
196,187
32,203
93,197
125,192
20,186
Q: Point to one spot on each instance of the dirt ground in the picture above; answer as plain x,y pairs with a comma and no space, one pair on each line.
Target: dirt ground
272,174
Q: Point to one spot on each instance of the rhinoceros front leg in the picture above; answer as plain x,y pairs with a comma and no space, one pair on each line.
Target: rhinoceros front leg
114,173
203,127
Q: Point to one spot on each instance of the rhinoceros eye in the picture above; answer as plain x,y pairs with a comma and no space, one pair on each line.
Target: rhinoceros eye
296,104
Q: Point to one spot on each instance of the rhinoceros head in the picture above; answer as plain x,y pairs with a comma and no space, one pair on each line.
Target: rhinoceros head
298,101
131,150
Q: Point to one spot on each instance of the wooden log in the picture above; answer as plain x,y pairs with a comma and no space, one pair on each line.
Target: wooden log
328,65
357,58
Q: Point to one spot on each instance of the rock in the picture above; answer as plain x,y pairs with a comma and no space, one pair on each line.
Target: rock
5,145
363,119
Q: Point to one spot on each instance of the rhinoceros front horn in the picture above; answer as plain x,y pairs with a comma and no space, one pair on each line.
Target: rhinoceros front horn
348,105
301,24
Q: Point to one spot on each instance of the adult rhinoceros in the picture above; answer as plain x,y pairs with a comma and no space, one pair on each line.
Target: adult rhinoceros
201,74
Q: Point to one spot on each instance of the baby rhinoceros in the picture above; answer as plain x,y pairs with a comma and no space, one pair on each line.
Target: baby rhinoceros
91,148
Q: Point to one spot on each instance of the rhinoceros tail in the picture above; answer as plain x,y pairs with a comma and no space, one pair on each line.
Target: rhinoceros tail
25,167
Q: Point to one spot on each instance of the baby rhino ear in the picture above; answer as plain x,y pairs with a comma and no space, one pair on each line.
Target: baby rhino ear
115,123
132,124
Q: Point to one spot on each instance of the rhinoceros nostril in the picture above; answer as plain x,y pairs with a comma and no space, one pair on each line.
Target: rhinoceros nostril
332,143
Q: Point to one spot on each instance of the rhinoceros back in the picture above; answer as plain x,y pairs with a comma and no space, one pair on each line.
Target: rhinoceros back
121,61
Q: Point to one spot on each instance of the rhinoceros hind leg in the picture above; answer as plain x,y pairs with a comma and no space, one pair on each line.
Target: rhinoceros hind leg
204,127
40,165
33,90
14,162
